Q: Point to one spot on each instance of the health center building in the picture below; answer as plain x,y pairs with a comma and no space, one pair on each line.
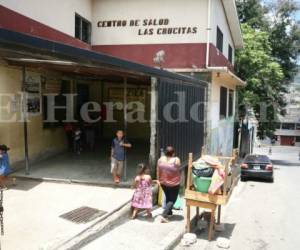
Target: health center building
191,42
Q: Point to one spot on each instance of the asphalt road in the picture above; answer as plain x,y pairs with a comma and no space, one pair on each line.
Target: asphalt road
262,215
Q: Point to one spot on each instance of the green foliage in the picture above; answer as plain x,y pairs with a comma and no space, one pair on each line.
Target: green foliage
285,36
268,61
252,13
264,75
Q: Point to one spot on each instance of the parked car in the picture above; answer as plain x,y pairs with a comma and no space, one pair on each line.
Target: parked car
257,166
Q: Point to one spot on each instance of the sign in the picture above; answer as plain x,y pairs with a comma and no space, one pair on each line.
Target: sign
133,94
33,93
149,27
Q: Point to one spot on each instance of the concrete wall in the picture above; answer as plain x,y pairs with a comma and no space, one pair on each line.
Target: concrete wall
220,132
191,13
218,18
41,141
57,14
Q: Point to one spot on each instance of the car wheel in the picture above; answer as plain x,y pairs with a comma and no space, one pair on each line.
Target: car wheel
272,180
243,178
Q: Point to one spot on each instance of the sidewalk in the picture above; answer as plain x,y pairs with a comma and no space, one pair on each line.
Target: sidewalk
32,210
142,233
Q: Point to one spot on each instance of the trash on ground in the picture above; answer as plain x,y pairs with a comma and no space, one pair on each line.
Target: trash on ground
223,243
188,239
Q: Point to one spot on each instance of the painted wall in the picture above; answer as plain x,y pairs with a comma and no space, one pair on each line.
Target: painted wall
57,14
191,13
41,141
220,132
144,33
218,18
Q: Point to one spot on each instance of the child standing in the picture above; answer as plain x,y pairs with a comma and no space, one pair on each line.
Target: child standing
142,197
77,140
118,147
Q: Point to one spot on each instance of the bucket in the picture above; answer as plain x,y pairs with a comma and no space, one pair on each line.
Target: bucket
201,183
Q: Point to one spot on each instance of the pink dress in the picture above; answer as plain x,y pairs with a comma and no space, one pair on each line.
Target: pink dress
142,197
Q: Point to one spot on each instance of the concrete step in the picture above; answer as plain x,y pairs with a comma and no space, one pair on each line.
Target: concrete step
142,233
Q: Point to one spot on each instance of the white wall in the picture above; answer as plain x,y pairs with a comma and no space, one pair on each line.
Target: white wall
220,132
218,18
58,14
189,13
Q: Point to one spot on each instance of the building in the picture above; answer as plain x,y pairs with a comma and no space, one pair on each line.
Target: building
288,129
102,49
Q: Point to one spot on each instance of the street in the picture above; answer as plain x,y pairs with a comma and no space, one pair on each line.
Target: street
263,215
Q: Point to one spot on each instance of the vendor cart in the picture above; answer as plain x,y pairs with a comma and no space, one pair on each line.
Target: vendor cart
207,201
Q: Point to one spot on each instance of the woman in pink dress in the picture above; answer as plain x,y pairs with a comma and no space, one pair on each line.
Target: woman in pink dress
142,197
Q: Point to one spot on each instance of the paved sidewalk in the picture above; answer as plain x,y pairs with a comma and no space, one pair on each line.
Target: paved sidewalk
32,210
142,233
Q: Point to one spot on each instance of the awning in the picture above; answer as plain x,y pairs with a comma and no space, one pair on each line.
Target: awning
22,49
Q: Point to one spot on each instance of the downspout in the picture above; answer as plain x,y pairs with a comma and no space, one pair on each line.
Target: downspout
208,33
207,139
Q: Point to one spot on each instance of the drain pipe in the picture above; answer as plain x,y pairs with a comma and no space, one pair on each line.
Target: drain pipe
208,33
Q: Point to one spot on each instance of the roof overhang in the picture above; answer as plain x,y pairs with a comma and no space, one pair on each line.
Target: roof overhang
234,23
230,75
22,49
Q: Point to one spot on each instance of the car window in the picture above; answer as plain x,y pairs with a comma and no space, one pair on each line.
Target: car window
257,158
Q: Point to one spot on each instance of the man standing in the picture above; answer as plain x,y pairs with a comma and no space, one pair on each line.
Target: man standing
118,148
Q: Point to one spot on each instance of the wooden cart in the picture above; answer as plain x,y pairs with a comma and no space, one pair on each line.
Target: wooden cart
207,201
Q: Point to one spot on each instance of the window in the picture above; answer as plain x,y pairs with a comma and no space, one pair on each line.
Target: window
278,125
219,39
298,126
230,54
82,29
223,102
289,126
297,138
230,102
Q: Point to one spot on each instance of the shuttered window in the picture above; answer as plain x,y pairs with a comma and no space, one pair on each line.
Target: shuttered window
230,54
230,102
223,102
219,39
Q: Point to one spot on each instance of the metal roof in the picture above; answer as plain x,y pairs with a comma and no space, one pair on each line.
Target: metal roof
51,52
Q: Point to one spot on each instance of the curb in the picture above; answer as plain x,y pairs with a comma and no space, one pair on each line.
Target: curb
71,181
100,227
174,240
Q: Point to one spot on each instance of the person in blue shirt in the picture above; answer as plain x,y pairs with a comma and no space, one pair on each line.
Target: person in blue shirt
4,165
118,147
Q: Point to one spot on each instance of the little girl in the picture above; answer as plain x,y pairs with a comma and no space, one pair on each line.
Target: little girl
142,197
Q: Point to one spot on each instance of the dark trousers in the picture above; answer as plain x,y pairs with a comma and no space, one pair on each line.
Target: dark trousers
171,194
70,139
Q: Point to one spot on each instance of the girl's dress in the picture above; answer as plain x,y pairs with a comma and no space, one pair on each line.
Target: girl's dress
142,197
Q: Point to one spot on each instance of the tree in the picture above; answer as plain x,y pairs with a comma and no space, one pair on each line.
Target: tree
264,76
285,36
253,13
268,63
278,18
